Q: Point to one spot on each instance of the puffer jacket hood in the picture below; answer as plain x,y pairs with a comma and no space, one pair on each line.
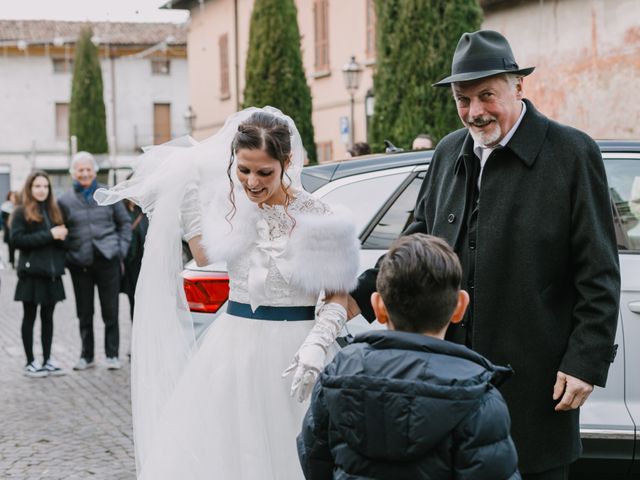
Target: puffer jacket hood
400,404
388,399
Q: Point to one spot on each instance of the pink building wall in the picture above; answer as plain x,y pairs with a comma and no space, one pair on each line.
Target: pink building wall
347,36
586,53
587,59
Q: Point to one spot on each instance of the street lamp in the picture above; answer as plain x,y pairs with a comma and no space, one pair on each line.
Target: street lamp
189,119
369,107
351,72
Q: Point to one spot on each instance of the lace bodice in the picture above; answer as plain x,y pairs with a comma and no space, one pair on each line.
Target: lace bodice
261,277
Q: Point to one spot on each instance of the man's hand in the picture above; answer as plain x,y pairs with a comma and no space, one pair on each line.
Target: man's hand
574,392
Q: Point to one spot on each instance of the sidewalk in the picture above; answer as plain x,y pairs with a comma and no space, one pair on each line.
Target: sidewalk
74,427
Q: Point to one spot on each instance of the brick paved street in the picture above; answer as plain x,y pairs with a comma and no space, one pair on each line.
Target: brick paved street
73,427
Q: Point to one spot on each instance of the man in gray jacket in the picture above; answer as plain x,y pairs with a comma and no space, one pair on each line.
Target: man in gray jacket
97,242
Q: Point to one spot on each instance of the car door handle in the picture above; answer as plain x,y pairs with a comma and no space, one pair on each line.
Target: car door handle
634,307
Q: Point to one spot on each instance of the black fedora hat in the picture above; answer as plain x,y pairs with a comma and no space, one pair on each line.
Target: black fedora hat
482,54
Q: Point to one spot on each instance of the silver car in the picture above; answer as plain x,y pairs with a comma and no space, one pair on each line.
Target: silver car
382,190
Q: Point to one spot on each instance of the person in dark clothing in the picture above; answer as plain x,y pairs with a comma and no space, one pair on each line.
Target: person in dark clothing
405,403
38,232
133,260
358,149
98,241
524,202
8,206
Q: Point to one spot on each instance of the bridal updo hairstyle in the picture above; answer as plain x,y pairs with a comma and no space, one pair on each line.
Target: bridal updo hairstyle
266,132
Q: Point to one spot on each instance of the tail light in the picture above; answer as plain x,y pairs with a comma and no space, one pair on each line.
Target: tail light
206,291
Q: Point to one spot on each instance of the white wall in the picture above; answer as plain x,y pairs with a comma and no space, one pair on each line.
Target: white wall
136,90
29,90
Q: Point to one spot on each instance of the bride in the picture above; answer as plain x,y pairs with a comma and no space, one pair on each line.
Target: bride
219,408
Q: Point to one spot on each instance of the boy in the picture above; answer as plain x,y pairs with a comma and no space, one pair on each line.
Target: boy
403,403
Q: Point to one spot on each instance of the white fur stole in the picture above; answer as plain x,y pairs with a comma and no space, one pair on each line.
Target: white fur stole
323,248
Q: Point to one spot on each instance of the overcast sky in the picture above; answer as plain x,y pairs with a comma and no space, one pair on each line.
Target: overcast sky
94,10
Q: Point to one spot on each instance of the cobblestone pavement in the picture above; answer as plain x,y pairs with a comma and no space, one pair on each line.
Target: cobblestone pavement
73,427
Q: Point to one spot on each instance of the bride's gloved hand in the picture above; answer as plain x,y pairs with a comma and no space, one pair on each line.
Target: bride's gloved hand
190,213
310,358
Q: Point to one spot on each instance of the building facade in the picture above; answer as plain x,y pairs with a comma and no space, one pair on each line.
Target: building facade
586,52
332,31
587,59
145,86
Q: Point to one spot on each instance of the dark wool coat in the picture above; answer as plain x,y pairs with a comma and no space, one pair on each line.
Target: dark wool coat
91,226
40,254
547,280
397,405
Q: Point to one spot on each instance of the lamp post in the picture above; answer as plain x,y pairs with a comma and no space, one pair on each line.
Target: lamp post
351,73
369,107
189,119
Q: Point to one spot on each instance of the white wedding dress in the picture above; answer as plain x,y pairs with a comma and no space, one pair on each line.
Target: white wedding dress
231,416
218,408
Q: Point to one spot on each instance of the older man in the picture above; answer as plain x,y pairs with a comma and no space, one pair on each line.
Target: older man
97,242
524,201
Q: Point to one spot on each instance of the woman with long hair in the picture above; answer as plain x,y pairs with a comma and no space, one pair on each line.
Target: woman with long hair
37,230
219,408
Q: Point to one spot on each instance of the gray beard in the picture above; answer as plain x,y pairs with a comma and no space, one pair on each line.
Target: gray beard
485,139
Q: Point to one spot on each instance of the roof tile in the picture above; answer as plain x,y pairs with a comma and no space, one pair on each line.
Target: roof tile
115,33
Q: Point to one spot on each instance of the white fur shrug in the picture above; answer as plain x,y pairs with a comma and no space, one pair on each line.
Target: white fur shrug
323,247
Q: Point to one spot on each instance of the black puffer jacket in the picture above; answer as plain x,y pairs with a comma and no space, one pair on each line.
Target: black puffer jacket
396,405
40,254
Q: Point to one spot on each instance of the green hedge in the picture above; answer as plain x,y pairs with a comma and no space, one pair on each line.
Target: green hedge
415,43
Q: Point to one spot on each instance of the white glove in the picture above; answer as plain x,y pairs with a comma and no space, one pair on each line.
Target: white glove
310,358
190,213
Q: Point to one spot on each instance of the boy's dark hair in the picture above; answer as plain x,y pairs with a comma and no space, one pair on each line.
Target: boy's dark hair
419,281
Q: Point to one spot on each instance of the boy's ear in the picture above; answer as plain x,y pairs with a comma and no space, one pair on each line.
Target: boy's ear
379,308
461,307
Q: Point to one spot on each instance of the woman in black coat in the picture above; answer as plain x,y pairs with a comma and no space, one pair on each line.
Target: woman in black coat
37,230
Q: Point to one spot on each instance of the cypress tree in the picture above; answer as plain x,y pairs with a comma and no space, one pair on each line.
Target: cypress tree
415,43
87,118
274,71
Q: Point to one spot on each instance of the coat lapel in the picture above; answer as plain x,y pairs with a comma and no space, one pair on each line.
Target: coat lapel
528,139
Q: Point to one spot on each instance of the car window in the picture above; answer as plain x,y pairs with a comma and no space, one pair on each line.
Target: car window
623,175
364,196
396,219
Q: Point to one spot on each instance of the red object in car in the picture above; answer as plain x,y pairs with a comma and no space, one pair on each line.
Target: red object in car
206,291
